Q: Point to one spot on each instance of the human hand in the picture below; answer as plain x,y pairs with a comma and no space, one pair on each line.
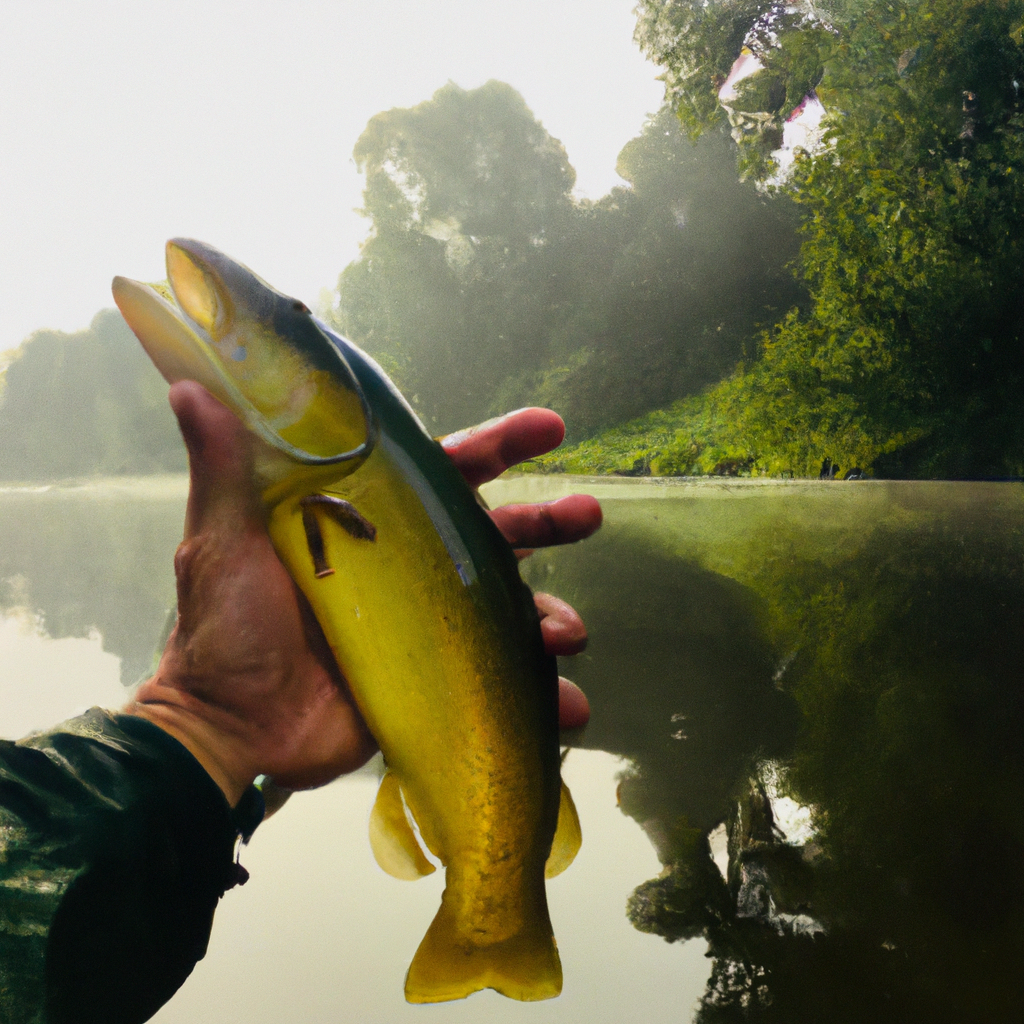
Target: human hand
483,453
247,681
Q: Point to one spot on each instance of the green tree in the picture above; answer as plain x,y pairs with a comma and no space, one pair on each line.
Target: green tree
484,284
679,270
86,403
697,42
469,198
910,355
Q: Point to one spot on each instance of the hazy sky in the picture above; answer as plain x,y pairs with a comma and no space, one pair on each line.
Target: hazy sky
124,123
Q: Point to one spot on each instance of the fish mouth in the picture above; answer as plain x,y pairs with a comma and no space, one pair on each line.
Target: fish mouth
256,350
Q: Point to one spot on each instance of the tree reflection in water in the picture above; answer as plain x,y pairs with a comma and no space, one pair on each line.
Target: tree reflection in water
878,684
95,557
855,651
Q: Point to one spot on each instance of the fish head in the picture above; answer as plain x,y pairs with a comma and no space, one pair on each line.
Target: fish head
255,349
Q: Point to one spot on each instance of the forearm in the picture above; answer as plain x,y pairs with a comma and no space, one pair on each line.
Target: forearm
117,846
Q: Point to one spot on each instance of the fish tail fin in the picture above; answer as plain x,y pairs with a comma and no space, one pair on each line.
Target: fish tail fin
447,966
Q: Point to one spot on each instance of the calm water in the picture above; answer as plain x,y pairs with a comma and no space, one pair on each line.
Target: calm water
804,767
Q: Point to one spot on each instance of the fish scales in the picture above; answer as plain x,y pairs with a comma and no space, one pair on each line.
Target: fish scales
420,599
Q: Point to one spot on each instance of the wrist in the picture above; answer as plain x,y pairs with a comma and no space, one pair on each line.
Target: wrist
217,750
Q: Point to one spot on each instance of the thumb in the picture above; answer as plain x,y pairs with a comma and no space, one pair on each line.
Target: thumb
219,459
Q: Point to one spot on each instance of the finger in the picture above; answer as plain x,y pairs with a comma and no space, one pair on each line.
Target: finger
553,522
486,451
219,458
573,706
560,625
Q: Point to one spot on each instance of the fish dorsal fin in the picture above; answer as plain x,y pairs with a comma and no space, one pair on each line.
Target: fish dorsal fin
568,836
394,844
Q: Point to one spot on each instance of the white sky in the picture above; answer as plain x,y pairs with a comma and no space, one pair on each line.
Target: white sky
126,122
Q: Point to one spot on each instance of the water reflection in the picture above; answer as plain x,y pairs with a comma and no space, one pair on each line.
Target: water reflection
681,681
818,683
896,633
95,557
43,680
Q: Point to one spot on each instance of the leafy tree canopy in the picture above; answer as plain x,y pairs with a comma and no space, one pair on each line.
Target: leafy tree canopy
468,196
485,284
698,41
909,357
83,403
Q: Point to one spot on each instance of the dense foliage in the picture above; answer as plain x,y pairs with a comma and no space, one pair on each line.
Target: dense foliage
909,358
663,320
84,403
486,285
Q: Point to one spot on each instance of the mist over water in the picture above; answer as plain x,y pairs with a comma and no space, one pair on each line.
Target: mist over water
801,787
94,558
803,758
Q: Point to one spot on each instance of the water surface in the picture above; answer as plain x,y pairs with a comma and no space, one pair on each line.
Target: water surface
804,758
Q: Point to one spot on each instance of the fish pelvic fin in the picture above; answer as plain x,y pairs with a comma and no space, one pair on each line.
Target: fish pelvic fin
568,836
446,966
394,844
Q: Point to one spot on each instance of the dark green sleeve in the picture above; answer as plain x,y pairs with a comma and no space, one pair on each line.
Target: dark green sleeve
115,846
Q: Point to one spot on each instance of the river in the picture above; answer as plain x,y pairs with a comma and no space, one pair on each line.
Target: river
800,791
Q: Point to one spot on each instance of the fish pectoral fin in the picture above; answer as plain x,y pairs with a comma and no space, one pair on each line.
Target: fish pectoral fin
568,836
315,543
394,844
344,513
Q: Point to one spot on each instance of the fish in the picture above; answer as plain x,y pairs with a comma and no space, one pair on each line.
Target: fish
420,599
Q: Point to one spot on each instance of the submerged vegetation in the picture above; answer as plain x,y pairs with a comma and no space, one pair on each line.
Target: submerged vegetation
718,312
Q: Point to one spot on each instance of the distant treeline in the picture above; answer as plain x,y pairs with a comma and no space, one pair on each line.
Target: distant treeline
484,286
86,403
710,315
